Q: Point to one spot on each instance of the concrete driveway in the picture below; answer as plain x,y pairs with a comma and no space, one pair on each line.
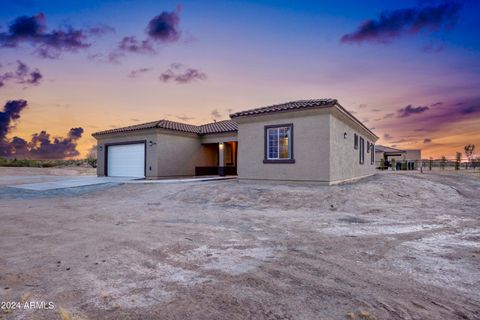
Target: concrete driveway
60,182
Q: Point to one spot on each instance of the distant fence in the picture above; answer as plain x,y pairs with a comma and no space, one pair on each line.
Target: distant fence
427,164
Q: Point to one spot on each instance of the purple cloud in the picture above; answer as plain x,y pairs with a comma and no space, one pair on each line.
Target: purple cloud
164,27
469,109
22,75
394,24
160,29
32,30
11,112
448,114
41,145
178,74
387,136
135,73
132,44
427,140
410,110
100,30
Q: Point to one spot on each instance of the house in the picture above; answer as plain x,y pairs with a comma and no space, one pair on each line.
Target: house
412,157
308,140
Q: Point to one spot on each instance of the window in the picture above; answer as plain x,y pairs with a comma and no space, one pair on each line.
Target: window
362,150
355,141
372,153
279,144
368,146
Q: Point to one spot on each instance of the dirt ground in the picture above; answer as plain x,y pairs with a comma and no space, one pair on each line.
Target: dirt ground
398,245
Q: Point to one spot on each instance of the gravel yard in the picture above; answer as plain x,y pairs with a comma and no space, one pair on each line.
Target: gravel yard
398,245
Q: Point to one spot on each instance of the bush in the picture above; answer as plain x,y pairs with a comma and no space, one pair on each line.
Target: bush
382,164
38,163
92,162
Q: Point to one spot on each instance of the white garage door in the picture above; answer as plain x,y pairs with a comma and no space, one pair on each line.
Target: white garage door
126,160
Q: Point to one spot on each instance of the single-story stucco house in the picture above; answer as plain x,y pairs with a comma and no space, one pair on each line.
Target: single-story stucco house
308,140
387,154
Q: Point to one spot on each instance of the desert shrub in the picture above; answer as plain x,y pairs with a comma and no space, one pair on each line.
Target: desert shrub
92,162
38,163
382,164
430,164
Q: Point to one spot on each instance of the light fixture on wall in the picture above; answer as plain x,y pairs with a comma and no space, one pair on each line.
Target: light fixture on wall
345,135
100,148
151,143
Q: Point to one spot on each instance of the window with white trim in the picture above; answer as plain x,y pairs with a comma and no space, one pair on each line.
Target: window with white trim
279,143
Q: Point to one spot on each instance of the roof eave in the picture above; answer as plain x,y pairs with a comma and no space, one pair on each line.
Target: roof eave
350,115
322,106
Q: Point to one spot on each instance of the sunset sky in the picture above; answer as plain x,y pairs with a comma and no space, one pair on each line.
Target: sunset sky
410,70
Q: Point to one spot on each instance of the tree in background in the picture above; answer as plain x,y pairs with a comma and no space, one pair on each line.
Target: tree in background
469,151
92,157
458,160
430,164
443,161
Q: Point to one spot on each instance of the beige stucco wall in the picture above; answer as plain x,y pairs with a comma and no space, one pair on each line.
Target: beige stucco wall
171,153
220,137
344,158
409,155
321,152
310,143
178,154
152,151
414,154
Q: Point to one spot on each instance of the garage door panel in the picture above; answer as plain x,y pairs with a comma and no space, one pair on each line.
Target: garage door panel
126,160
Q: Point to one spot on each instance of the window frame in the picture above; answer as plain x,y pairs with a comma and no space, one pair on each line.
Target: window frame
291,159
355,141
362,151
372,153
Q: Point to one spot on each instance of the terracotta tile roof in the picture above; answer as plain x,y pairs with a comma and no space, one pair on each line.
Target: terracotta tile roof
219,127
289,106
177,126
210,128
